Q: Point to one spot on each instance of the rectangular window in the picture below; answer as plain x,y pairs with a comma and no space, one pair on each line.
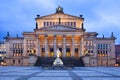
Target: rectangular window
13,51
74,24
13,61
51,50
44,24
43,50
76,50
47,23
19,61
68,23
65,23
103,46
53,23
71,23
50,23
98,52
67,49
106,52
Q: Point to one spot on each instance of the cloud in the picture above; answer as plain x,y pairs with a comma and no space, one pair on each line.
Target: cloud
106,14
100,15
47,4
105,18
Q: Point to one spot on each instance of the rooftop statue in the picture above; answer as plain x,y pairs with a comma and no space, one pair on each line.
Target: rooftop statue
59,9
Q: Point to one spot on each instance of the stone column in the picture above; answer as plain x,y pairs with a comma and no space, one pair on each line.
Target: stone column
24,47
46,45
37,52
64,46
81,46
95,48
39,47
73,47
55,46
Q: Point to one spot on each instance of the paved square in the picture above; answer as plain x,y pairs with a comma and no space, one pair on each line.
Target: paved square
79,73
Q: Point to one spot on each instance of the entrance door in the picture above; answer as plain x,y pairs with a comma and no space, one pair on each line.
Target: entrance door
51,54
68,54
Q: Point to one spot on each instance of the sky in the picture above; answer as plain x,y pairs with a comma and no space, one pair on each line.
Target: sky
101,16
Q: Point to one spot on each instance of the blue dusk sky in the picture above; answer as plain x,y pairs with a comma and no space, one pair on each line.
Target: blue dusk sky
101,16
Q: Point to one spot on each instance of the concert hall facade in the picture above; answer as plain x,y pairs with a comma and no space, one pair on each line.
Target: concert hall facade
64,32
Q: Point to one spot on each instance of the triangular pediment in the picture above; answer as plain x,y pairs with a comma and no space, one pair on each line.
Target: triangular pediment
60,28
60,15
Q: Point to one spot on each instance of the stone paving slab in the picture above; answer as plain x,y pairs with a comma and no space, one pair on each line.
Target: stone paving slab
78,73
15,74
53,74
8,78
92,74
96,78
50,78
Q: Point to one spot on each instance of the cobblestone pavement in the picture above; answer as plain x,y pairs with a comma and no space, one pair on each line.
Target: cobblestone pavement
79,73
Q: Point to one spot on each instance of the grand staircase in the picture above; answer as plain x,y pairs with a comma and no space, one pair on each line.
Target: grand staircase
67,61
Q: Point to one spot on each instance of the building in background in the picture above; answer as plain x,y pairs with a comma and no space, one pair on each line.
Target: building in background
117,52
64,32
2,52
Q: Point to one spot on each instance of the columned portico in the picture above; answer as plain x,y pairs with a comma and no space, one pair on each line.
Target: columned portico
67,44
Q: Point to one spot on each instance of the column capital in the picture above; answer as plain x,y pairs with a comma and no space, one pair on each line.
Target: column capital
64,35
36,35
46,35
73,35
55,35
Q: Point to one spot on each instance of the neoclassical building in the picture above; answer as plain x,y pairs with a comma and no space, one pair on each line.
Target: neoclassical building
64,32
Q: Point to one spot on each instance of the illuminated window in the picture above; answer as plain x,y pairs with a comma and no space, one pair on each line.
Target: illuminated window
43,49
51,52
28,51
68,54
76,52
43,52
